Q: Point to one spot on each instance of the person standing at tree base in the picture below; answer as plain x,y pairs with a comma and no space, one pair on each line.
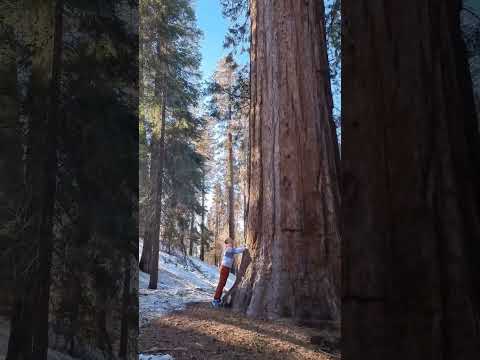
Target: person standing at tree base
227,262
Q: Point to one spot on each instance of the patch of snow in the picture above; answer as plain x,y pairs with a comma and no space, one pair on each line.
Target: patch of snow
55,355
155,357
180,281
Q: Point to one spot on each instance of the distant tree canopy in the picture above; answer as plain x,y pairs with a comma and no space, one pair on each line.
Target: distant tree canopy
172,165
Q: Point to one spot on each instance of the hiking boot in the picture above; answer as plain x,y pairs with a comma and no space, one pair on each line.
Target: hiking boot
216,303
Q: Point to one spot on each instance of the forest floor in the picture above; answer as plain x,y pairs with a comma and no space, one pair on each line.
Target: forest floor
202,333
181,280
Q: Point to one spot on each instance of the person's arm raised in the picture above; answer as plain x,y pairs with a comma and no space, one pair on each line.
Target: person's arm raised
239,250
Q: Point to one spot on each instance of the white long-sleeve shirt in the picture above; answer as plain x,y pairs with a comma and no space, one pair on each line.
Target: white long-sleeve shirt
229,253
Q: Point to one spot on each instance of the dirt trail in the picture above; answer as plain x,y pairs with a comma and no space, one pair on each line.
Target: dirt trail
203,333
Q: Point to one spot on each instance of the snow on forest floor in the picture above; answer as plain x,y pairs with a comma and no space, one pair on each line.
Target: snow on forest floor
177,319
180,281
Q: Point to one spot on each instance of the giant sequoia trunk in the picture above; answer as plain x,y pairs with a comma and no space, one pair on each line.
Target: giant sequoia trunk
292,228
411,184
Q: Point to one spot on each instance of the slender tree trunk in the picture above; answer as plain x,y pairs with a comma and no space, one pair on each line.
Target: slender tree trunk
29,335
217,226
150,208
293,225
156,221
231,199
410,162
146,252
231,219
202,226
192,224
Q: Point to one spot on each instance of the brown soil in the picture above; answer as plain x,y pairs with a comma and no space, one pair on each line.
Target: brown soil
203,333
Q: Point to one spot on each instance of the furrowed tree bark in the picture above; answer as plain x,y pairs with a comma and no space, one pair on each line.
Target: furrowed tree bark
292,229
11,169
29,334
154,230
410,169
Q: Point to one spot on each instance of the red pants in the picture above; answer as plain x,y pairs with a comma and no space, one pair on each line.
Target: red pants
224,272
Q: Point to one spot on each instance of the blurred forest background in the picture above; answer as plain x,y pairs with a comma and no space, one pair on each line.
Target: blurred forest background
69,179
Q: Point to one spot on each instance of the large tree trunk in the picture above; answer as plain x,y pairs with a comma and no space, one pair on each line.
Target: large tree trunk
29,334
292,228
101,305
157,188
410,164
11,172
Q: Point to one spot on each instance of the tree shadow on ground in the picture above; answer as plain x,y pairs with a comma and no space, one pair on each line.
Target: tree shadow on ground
283,329
200,332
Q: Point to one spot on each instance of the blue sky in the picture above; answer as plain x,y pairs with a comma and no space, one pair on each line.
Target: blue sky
214,27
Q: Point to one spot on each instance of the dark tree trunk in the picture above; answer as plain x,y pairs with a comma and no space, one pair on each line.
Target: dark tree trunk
123,350
11,172
293,225
102,338
146,253
192,224
29,334
411,180
157,188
